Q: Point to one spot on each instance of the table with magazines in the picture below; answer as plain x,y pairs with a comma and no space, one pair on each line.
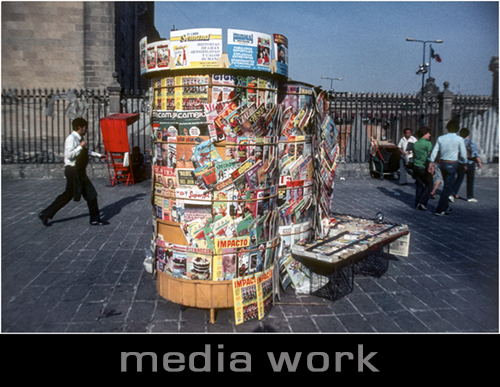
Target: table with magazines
351,246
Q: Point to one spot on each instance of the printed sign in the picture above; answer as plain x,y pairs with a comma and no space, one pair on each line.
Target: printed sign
281,53
249,50
196,48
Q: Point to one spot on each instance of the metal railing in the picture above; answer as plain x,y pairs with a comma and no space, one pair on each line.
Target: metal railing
362,117
35,123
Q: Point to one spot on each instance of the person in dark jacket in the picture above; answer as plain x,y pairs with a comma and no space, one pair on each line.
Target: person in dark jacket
78,184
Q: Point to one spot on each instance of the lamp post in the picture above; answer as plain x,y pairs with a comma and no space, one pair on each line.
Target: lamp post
331,91
422,70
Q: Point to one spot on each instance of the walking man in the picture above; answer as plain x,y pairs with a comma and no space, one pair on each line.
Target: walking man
423,178
405,145
78,184
451,148
472,157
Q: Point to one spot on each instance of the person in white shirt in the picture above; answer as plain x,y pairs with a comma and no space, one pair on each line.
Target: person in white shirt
406,155
77,182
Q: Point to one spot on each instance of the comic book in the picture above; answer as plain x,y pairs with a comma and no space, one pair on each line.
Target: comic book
252,175
243,227
220,226
209,177
192,204
227,204
293,268
205,153
224,169
186,145
197,175
212,111
221,120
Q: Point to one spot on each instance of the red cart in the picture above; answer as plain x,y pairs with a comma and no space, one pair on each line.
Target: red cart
116,145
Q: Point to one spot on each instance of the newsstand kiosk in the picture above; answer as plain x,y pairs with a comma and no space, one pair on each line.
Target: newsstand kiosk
243,167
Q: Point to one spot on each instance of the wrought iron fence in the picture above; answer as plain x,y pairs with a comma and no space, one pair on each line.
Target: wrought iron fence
362,118
35,123
480,116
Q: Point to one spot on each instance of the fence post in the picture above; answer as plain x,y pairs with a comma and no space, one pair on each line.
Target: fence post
493,67
445,103
114,90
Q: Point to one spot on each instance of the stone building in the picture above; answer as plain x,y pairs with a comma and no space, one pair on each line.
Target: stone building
73,44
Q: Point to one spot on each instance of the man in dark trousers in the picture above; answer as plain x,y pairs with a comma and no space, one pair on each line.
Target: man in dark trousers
78,184
423,179
451,148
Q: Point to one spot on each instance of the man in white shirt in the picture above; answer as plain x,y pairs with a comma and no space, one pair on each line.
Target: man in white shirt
406,155
77,182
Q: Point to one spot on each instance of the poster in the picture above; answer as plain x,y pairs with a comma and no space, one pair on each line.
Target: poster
281,54
142,50
196,48
249,50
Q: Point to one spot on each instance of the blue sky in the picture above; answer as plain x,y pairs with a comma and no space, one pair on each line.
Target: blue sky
362,42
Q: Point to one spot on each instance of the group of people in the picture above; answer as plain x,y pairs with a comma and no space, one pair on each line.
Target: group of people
449,161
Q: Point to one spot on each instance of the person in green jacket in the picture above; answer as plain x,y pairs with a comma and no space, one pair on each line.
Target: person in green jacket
423,178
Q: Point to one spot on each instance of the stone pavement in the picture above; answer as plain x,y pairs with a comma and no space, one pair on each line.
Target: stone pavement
72,277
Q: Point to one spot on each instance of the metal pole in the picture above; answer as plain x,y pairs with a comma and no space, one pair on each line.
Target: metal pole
422,115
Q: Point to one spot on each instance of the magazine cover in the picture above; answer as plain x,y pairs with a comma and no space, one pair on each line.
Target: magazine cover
151,56
192,204
198,263
196,48
264,292
293,268
162,54
281,53
229,264
245,299
249,50
142,52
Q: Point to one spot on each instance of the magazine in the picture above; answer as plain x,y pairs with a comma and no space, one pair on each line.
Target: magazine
245,299
264,292
192,204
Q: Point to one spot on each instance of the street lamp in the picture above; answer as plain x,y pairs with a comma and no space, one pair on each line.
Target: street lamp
423,69
331,81
331,91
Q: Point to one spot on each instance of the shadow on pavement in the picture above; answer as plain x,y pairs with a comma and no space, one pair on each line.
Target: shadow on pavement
109,211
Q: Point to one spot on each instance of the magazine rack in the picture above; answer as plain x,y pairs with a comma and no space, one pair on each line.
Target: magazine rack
116,145
244,162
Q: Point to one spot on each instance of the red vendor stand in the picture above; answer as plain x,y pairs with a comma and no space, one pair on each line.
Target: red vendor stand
116,145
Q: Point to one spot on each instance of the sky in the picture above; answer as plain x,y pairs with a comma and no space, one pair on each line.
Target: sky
364,43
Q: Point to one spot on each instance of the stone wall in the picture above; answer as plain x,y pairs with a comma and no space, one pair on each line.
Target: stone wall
99,43
67,44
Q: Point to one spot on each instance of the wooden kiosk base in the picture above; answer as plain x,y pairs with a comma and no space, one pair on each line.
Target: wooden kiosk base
199,294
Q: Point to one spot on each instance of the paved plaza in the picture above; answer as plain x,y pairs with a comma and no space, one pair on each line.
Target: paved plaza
72,277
